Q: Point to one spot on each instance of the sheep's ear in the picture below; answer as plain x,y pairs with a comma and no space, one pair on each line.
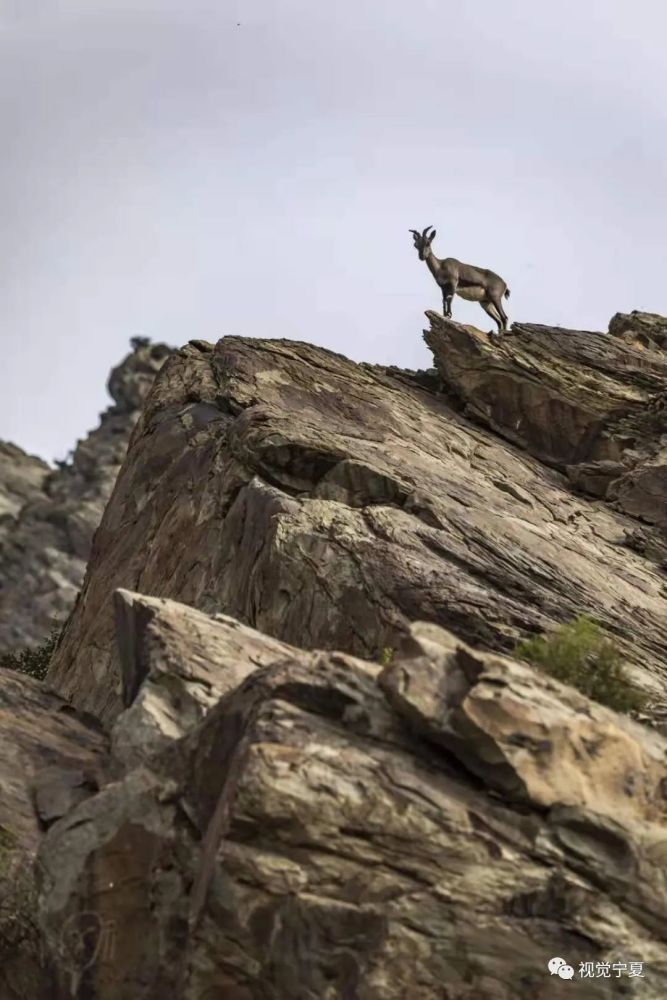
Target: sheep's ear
432,236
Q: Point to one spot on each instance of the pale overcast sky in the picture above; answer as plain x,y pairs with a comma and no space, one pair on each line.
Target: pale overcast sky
171,172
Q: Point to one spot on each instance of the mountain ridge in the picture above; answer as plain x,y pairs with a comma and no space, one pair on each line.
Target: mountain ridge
285,748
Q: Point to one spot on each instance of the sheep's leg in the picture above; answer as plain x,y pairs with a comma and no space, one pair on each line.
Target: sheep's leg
448,292
503,315
491,308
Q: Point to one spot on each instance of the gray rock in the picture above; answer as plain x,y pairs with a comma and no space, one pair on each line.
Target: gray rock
646,331
175,665
50,516
330,504
50,759
591,404
270,819
443,831
21,478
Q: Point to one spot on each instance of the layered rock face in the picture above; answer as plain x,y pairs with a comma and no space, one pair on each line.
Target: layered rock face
21,478
50,760
229,796
48,517
291,825
330,504
594,405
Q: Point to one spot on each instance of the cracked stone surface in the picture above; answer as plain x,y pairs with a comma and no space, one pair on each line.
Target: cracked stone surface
51,759
21,477
225,792
174,667
330,504
325,829
592,404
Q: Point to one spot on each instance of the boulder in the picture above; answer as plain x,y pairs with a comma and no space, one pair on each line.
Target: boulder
592,405
437,828
51,759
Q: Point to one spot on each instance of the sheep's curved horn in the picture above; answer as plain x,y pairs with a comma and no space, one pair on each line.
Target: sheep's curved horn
425,232
414,232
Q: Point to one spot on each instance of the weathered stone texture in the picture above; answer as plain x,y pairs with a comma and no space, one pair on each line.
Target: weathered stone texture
592,404
21,477
48,516
330,504
438,831
268,813
50,760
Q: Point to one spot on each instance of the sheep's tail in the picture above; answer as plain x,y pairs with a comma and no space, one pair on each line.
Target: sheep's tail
507,293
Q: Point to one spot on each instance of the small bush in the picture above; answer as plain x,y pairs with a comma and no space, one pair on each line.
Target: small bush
33,661
386,656
581,655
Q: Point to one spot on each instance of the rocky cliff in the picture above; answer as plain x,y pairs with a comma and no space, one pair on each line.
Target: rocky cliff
229,796
330,504
21,479
589,404
48,516
293,825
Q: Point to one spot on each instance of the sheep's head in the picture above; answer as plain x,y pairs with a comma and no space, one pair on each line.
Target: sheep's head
423,241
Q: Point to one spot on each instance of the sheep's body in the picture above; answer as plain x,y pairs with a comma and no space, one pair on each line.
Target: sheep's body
473,283
476,284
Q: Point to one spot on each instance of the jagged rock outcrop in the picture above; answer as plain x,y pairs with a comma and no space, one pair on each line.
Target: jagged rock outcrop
21,478
319,827
50,760
268,813
644,330
48,517
175,665
592,404
330,504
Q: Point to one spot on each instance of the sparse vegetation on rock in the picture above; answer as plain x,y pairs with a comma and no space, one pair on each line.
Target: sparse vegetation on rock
580,654
240,787
330,504
33,660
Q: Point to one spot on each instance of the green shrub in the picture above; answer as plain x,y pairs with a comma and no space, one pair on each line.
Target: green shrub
386,656
580,654
33,661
